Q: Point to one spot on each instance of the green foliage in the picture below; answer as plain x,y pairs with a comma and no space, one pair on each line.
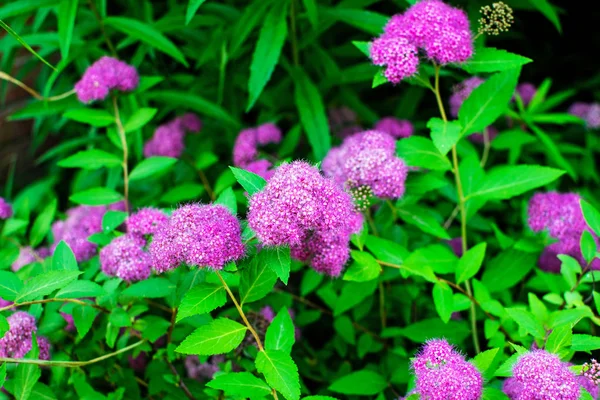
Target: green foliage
218,337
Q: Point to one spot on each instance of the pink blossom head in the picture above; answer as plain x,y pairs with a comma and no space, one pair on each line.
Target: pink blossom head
103,76
443,373
5,303
190,122
461,92
478,138
579,109
245,148
268,133
261,168
526,91
267,313
512,388
326,252
69,320
6,210
198,235
559,213
590,113
590,377
202,371
16,343
167,141
145,221
543,376
44,348
125,258
398,128
398,55
456,246
26,257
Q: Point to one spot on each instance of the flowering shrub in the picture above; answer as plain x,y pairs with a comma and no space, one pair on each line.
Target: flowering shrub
293,199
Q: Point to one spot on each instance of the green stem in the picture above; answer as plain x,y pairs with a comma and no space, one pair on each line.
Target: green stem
54,300
486,147
33,92
294,38
123,138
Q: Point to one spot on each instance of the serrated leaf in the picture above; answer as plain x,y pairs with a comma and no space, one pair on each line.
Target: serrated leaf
470,263
280,333
444,134
150,288
581,342
82,288
256,281
363,383
10,285
490,59
242,384
527,321
443,300
559,338
63,258
83,318
588,246
201,299
139,118
280,372
97,196
364,268
507,181
151,166
91,116
483,360
278,259
251,182
91,159
420,152
25,377
67,10
44,284
591,216
218,337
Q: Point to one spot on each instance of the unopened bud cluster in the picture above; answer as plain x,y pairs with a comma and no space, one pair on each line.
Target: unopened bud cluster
495,19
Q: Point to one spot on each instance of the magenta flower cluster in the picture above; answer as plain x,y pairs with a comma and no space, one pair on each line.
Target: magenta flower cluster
368,159
6,210
443,374
103,76
81,222
559,214
441,31
541,375
27,255
308,212
125,258
17,342
197,235
168,139
145,221
589,112
398,128
526,91
245,149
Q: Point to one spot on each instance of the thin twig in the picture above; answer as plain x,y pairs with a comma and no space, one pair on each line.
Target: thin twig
123,138
180,381
486,147
206,184
33,92
451,217
101,23
55,300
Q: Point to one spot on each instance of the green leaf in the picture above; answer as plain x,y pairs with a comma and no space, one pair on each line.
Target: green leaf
91,159
363,47
312,115
97,196
228,199
505,369
111,220
443,300
591,216
83,318
552,150
150,288
139,119
343,326
387,250
3,14
67,10
268,49
25,378
507,269
364,268
490,59
154,327
220,336
312,12
240,384
2,374
527,321
585,342
151,166
82,288
42,223
280,372
483,361
549,12
352,294
507,181
256,281
560,338
418,151
251,182
420,331
470,263
119,318
201,299
361,383
192,8
90,116
422,219
10,285
42,392
444,134
368,21
44,284
63,258
4,327
278,259
183,192
280,333
147,34
588,246
488,101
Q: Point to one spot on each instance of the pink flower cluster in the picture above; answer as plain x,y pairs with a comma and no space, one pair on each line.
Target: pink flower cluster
308,212
589,112
398,128
6,210
559,214
27,255
443,374
245,148
145,221
168,139
526,91
199,235
203,371
441,31
16,343
368,159
103,76
269,315
541,375
125,258
81,222
461,92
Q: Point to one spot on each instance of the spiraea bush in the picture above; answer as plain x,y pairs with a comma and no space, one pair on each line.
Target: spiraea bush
309,199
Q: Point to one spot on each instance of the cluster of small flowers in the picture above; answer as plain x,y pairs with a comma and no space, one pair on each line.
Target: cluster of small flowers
27,255
269,315
541,375
560,214
81,222
440,30
308,212
591,371
198,235
443,374
6,210
103,76
245,149
168,139
125,256
203,371
16,343
368,159
589,112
